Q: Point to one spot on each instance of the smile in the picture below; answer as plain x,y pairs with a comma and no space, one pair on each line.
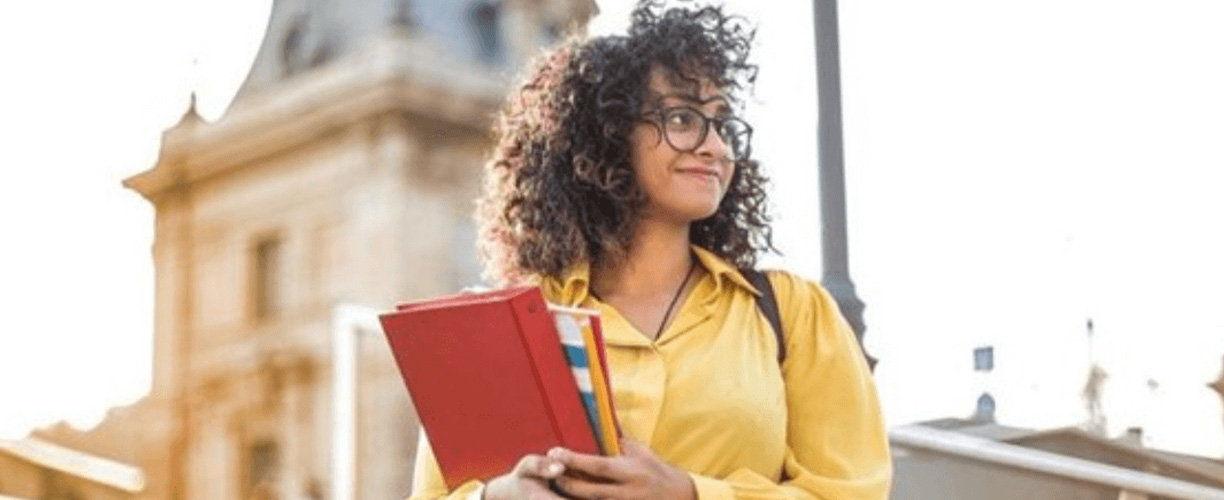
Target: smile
704,172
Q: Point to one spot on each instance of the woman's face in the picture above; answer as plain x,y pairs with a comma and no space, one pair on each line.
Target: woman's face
681,186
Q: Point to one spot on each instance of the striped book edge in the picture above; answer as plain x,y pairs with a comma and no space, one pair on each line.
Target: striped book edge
576,354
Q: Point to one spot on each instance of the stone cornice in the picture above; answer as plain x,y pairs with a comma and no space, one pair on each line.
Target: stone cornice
394,74
121,476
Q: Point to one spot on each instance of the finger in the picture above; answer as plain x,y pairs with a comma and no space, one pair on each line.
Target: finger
632,447
543,490
578,488
537,466
637,452
608,468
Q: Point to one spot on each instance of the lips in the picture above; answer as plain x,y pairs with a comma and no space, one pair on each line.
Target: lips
702,171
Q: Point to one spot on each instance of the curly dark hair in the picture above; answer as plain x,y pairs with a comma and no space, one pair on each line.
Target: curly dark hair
560,189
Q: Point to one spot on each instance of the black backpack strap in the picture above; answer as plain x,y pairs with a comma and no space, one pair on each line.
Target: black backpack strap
767,303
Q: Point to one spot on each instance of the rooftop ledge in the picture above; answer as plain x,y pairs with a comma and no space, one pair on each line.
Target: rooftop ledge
394,74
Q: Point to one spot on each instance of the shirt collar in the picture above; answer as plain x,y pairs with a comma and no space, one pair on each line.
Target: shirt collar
570,289
722,271
573,287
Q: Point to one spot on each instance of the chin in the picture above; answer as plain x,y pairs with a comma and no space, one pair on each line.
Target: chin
689,209
700,212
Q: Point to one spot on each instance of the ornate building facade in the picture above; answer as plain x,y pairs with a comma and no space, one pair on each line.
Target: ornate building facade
344,172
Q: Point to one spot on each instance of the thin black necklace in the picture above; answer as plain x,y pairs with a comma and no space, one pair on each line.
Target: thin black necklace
675,298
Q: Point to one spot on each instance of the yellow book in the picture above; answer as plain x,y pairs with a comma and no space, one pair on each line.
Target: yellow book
607,422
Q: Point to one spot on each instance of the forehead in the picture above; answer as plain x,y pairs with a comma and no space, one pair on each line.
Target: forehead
671,88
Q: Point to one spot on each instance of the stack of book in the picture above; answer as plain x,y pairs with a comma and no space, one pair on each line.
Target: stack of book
495,376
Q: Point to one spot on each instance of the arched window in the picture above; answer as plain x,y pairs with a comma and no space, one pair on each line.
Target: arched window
263,462
486,18
267,279
56,486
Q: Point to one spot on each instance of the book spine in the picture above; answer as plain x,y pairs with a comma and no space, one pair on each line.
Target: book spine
597,333
603,396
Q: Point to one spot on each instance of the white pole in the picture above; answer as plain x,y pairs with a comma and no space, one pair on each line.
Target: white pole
348,322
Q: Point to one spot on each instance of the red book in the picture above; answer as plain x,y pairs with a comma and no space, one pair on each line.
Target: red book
488,379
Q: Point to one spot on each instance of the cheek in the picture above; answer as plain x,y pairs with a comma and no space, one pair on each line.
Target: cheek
730,179
644,140
649,154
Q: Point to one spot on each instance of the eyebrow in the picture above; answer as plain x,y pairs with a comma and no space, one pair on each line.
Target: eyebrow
724,109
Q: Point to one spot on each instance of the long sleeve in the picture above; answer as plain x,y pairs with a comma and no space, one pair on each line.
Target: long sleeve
427,482
837,447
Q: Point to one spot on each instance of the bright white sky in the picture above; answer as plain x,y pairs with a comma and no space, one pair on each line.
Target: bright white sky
1013,168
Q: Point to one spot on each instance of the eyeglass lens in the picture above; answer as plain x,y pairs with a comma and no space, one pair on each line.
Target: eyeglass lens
686,129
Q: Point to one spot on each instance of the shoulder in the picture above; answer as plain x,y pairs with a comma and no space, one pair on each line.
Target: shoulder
810,316
796,293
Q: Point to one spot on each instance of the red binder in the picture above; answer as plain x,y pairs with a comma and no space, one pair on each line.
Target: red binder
488,379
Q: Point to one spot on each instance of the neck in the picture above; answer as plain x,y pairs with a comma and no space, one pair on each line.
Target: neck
657,260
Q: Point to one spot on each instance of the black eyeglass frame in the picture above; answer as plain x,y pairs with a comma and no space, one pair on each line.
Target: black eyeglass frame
706,121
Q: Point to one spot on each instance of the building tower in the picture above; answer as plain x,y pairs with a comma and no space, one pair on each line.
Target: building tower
342,173
1094,389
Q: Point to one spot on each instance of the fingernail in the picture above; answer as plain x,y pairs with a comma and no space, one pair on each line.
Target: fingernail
555,468
556,453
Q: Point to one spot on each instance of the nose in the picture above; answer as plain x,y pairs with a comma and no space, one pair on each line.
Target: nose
713,147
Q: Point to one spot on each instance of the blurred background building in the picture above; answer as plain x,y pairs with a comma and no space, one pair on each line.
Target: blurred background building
344,172
342,176
977,457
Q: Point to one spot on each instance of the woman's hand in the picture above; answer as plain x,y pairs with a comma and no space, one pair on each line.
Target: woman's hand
637,474
528,480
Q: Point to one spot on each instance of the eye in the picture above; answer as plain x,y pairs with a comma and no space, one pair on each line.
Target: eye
683,120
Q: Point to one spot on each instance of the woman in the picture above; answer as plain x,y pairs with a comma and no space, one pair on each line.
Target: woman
623,181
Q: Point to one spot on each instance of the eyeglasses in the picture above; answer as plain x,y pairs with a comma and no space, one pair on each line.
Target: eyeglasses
685,129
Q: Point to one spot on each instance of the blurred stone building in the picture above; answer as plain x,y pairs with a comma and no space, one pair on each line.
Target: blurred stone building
974,458
344,172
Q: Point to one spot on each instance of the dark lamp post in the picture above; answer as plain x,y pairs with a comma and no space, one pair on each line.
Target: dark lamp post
836,276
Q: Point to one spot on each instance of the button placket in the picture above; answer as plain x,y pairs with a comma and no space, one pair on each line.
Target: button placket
654,374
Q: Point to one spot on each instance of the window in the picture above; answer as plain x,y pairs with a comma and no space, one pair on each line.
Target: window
263,460
485,16
983,359
56,486
291,46
266,285
552,33
402,13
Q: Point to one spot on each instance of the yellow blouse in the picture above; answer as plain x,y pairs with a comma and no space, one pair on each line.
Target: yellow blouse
708,395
